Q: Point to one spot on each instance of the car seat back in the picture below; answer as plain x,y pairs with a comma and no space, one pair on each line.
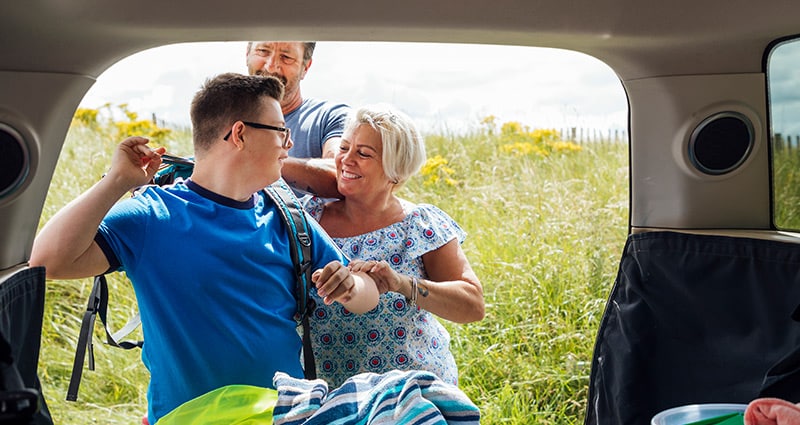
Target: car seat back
695,319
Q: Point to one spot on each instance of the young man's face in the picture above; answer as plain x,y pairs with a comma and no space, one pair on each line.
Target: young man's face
265,148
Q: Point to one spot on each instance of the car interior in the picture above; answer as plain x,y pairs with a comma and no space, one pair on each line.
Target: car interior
708,280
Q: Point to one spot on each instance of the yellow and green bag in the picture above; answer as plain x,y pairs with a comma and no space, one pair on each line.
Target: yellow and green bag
229,405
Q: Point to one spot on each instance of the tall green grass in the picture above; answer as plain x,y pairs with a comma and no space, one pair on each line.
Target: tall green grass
786,187
545,231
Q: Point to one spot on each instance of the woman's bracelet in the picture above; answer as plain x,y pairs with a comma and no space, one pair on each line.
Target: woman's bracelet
414,284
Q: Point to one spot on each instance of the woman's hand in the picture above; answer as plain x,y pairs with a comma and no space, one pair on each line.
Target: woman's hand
386,279
451,290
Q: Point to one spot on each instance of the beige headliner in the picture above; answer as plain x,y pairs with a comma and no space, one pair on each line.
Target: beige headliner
637,39
679,61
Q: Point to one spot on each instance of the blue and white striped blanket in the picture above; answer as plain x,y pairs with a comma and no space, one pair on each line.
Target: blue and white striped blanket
396,397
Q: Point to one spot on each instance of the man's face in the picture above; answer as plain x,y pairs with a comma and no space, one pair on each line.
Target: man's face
265,148
283,60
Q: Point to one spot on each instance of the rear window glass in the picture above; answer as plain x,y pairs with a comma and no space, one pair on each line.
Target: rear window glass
783,78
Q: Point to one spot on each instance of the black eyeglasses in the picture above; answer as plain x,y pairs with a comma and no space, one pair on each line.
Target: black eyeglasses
283,130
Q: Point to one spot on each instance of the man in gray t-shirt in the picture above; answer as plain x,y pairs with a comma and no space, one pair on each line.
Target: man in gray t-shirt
316,125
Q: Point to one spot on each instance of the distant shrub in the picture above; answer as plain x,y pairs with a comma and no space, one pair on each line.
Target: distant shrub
85,117
436,171
106,119
520,140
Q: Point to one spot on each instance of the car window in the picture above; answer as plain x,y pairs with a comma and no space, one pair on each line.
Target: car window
527,152
783,79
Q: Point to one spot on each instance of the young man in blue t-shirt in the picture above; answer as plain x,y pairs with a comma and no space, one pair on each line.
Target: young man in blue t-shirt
221,310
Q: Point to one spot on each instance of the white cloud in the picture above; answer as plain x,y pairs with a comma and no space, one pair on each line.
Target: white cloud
441,86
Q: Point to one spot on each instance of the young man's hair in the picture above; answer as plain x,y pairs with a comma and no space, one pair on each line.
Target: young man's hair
226,99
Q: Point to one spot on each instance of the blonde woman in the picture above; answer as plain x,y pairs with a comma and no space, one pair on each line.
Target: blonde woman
412,251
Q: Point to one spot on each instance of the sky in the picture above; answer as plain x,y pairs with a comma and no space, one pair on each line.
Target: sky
783,78
444,87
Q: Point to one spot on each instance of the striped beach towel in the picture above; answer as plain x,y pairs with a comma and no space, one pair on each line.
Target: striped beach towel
396,397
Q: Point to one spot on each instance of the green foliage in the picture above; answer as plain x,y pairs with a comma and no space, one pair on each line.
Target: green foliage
545,233
105,120
436,171
520,140
786,184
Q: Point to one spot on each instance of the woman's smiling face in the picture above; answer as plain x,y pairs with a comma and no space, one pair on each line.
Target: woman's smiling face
359,163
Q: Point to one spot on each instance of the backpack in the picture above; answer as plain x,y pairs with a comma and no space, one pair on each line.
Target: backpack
300,240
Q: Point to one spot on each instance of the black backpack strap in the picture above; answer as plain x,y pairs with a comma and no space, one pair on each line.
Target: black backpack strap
300,241
97,306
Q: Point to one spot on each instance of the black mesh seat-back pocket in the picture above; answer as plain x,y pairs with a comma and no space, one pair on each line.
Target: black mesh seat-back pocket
692,319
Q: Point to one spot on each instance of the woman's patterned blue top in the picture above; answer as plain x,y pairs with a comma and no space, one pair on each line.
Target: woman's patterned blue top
393,335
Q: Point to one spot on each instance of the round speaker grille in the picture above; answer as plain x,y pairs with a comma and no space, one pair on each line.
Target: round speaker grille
14,160
721,143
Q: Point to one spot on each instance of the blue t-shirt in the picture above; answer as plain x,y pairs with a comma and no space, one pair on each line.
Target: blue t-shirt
312,124
214,282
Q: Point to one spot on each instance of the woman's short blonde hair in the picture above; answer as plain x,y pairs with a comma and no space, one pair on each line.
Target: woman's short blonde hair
403,145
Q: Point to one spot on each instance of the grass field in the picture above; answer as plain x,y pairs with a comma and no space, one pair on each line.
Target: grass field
546,223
